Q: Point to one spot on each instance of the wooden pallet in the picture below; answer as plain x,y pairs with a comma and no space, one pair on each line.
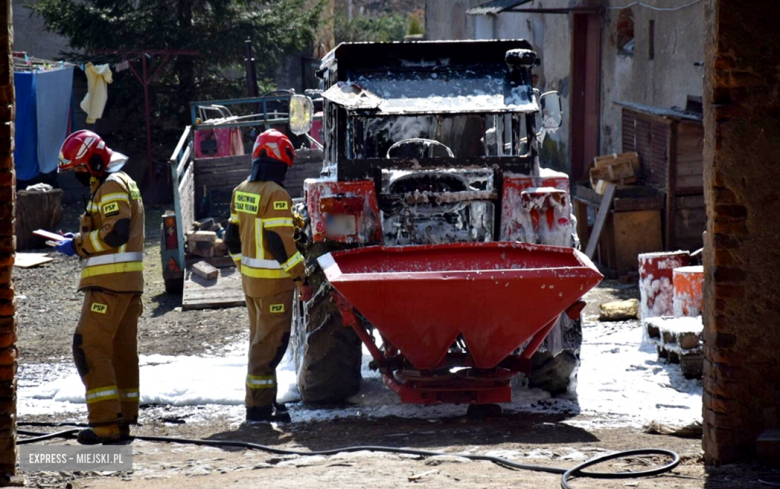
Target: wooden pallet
224,291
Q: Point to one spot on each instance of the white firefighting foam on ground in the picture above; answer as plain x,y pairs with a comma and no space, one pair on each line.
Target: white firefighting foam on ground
621,383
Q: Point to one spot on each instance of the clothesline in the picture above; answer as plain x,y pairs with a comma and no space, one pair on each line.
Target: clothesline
24,62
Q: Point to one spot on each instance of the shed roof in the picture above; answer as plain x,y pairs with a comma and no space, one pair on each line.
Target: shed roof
671,113
495,7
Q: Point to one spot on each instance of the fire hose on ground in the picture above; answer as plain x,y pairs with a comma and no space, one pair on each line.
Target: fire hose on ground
576,471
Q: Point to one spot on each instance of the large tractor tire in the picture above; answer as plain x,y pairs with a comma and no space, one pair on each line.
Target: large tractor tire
328,355
557,373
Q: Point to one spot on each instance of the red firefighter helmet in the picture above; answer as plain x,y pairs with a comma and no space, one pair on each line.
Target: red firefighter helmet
274,145
88,149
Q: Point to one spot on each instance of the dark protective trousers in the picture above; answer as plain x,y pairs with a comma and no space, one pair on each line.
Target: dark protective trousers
105,350
270,319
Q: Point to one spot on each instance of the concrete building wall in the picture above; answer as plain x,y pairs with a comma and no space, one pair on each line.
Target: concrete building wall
447,19
8,351
30,36
550,36
666,80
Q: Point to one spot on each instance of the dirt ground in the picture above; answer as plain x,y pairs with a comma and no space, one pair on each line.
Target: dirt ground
48,311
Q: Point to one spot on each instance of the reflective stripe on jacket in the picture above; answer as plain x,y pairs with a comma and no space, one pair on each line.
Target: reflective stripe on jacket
111,239
269,260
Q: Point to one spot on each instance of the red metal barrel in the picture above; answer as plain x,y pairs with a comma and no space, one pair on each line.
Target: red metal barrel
656,285
688,283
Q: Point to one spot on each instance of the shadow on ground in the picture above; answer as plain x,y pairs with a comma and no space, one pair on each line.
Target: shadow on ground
527,429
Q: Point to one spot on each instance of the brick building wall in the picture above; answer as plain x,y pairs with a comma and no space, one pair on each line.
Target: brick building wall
8,351
742,261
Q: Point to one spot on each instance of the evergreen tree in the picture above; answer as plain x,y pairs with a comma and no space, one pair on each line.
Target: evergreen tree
217,29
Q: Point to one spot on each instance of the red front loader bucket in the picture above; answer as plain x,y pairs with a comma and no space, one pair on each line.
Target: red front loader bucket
497,295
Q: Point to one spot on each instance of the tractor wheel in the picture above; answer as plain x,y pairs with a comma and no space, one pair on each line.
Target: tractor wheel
328,355
557,374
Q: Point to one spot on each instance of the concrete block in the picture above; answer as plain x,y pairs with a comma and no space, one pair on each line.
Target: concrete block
204,270
692,365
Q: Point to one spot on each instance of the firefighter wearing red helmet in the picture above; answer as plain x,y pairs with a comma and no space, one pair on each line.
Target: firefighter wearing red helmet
110,244
259,237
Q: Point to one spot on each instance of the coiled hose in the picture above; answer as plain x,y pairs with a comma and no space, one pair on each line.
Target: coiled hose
576,471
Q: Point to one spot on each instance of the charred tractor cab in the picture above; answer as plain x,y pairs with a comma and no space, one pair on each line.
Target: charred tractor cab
427,143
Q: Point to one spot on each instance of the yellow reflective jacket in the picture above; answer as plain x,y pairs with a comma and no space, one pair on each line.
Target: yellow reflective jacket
260,239
111,238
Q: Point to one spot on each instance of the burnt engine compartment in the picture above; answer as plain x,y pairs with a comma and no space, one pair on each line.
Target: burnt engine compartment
437,206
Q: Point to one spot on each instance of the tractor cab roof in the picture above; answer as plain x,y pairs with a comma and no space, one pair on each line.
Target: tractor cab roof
442,77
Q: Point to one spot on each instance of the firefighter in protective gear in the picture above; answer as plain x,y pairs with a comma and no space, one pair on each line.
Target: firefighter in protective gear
260,240
110,245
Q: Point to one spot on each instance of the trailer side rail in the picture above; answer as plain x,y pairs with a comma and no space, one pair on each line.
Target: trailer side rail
183,178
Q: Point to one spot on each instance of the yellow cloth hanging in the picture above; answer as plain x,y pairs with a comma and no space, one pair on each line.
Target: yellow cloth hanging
98,78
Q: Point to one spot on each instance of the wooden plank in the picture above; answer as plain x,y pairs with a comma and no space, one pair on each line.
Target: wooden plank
606,160
183,139
606,203
621,204
686,168
671,187
586,194
581,211
28,260
185,158
187,200
690,201
601,185
225,291
692,181
635,233
613,172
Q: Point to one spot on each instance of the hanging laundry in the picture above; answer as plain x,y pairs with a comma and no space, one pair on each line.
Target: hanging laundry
98,78
25,134
122,66
52,105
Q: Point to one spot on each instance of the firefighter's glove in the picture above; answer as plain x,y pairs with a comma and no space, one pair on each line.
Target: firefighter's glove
66,247
304,292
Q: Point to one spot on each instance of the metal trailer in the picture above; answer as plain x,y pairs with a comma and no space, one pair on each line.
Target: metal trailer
196,180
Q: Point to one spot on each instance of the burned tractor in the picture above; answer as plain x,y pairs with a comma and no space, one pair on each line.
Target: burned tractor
433,235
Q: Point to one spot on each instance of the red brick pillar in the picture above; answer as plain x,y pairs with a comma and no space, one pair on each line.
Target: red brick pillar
8,350
742,248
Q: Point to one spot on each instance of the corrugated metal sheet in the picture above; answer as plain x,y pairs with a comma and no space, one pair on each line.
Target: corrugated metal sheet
672,113
495,7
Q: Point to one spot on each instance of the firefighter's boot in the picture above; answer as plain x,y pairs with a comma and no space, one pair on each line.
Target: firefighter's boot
106,434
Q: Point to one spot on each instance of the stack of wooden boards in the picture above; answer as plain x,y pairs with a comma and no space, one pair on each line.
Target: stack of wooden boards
618,169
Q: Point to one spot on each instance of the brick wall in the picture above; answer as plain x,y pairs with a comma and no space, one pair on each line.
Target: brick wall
8,350
742,258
